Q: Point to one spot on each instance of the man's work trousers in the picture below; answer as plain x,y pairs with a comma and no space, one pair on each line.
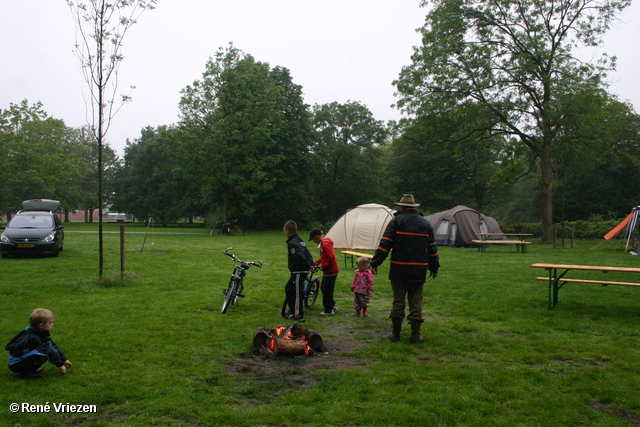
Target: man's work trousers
413,293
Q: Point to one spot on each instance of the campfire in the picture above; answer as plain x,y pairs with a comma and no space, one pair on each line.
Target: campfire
287,340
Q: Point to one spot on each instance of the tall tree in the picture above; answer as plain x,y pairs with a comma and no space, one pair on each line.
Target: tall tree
40,157
86,149
149,184
443,161
237,118
290,197
102,25
346,152
598,158
515,58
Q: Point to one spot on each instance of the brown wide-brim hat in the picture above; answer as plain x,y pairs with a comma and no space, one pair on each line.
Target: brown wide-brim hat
408,200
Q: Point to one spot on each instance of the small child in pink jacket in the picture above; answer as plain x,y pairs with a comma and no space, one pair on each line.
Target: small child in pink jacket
362,286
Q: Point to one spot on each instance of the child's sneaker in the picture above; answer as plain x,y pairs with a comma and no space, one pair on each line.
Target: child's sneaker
356,314
332,313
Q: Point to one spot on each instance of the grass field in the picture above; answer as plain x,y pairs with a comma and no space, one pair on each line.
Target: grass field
154,350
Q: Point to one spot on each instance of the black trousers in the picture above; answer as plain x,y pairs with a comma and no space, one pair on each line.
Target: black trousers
28,365
294,291
327,287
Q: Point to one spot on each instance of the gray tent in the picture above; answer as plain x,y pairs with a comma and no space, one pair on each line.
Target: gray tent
460,225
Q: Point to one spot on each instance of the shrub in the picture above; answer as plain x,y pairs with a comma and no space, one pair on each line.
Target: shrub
579,229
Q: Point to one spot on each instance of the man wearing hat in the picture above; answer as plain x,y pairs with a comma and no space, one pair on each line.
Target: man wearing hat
410,239
329,266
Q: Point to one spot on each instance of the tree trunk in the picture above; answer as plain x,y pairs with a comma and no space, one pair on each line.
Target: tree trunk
225,206
546,183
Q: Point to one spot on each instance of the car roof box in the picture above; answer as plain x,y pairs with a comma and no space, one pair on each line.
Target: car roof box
40,205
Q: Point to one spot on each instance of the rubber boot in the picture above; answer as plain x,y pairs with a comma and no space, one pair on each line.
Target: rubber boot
415,332
396,322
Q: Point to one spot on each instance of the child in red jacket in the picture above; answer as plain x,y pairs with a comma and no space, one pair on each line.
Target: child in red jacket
329,265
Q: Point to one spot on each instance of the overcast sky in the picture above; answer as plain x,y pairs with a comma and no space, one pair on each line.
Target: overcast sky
337,50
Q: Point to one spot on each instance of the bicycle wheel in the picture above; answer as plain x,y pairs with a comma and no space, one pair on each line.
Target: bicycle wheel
285,309
314,290
230,295
239,231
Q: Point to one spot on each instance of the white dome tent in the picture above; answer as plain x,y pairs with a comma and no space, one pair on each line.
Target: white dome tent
361,227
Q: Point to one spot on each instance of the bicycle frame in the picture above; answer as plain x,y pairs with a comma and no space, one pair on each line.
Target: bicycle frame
236,282
310,279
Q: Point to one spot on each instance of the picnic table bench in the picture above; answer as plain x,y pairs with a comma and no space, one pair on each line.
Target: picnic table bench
351,254
484,236
557,281
521,245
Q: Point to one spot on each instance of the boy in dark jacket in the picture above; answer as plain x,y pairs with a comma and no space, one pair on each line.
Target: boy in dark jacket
300,261
32,347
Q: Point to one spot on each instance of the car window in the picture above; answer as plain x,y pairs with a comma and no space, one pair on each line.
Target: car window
31,221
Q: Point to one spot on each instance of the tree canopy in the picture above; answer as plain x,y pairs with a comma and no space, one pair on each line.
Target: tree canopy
516,59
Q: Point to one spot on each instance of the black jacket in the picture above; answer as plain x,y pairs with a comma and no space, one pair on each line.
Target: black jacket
410,239
31,341
300,258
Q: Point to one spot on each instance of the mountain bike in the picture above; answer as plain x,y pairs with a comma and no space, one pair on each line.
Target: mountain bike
227,228
236,282
311,291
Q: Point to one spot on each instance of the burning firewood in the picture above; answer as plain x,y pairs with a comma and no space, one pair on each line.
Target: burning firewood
288,340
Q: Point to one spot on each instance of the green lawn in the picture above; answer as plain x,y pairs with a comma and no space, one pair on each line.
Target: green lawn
155,350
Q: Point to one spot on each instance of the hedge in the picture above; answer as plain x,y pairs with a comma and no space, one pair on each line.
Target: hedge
580,229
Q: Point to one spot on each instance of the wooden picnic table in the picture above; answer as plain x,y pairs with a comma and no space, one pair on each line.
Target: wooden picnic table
521,245
557,281
483,236
351,254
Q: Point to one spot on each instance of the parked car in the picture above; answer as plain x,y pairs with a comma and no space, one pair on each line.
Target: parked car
35,230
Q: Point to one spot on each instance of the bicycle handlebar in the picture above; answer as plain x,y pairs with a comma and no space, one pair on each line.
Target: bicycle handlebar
243,263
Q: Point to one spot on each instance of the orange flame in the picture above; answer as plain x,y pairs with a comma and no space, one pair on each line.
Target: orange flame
284,332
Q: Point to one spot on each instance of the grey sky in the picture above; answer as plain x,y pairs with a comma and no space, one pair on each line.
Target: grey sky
338,50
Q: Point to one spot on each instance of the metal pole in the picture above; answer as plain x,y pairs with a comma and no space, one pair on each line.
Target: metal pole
145,234
122,252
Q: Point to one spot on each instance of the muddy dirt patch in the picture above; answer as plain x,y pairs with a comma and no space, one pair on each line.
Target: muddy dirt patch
340,341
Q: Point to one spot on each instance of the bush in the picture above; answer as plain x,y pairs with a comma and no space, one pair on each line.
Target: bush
580,229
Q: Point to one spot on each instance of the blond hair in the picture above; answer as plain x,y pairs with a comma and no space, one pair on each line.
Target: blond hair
363,263
39,316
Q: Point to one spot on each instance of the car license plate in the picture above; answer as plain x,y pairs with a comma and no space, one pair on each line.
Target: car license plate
26,245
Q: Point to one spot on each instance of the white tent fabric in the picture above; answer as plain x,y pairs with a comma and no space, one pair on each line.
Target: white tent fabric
361,227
